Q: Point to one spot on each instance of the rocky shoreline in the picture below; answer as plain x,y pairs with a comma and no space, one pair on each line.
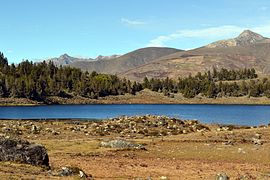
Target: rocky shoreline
123,126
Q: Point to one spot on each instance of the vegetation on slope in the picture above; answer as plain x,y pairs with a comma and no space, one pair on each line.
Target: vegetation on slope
223,83
38,81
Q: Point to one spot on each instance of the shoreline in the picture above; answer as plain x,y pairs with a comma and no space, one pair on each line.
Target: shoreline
236,104
143,97
95,120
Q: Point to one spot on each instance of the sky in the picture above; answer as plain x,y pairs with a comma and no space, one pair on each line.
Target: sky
41,29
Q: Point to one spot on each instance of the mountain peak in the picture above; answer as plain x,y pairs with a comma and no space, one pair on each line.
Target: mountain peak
247,34
64,56
246,38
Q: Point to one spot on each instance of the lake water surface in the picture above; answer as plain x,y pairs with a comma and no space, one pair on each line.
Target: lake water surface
225,114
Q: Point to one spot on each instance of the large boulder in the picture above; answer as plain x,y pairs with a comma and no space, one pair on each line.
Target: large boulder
23,152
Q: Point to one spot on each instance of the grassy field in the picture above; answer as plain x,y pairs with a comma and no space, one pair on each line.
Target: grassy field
196,155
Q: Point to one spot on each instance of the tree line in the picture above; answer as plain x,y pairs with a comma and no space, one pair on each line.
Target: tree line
222,83
37,81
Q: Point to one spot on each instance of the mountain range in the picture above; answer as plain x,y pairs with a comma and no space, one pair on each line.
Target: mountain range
248,50
65,59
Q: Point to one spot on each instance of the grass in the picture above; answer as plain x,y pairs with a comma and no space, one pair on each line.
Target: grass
9,170
194,155
56,147
212,152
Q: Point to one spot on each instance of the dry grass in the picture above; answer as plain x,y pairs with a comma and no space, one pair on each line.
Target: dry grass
144,97
150,97
186,156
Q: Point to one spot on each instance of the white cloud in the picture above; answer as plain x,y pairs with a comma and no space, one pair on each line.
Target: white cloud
211,32
132,22
264,29
220,32
263,8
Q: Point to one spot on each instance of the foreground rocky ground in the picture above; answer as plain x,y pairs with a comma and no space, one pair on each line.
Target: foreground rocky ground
141,147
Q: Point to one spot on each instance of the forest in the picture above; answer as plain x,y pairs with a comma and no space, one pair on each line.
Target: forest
223,83
37,81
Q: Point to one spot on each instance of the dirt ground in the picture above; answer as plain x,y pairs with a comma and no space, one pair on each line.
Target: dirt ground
195,155
143,97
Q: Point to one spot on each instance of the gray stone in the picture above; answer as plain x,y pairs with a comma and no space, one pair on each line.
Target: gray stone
222,176
257,141
121,144
66,171
74,171
23,152
35,129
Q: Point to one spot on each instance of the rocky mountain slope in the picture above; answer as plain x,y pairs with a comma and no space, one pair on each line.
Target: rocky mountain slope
248,50
100,57
123,63
246,38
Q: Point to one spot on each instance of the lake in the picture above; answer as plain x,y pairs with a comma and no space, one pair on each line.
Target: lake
225,114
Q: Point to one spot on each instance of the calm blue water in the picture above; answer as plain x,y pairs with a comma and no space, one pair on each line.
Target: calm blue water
225,114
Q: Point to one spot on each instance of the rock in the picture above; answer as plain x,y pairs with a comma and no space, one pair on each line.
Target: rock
74,171
66,171
35,129
148,125
48,130
184,131
23,152
228,143
257,141
82,174
222,176
246,177
55,133
258,136
219,129
241,150
6,129
163,178
13,130
121,144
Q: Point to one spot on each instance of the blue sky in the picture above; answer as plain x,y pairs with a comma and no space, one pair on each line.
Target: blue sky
36,29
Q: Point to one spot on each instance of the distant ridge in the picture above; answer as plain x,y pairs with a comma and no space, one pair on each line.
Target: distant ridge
247,50
118,64
100,57
65,59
